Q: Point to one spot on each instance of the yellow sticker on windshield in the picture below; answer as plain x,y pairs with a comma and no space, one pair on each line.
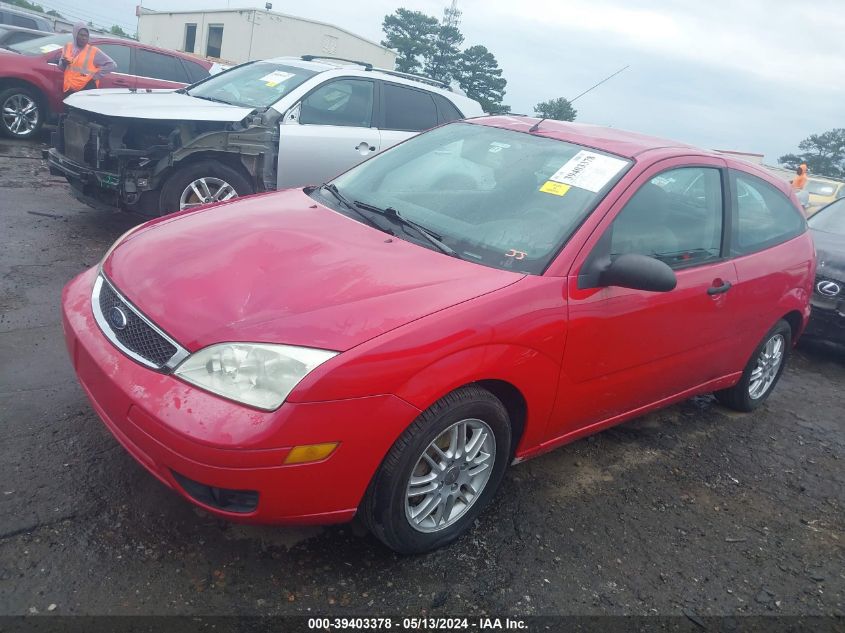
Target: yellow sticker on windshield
555,188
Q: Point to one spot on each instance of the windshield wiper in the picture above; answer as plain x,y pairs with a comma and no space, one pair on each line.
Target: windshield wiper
332,188
428,234
207,98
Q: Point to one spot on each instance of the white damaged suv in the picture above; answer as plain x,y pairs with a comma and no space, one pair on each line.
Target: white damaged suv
259,126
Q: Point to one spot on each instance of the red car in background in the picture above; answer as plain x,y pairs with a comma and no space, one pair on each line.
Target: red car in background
386,344
31,81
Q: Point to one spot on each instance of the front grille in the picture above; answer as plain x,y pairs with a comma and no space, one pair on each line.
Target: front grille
137,335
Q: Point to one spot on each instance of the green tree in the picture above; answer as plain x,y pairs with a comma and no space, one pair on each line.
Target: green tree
824,154
442,65
560,109
24,4
479,75
116,30
412,34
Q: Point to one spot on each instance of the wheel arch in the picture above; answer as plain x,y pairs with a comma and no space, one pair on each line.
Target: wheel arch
227,158
16,82
523,379
796,323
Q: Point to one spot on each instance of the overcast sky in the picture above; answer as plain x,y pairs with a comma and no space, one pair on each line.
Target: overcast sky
756,75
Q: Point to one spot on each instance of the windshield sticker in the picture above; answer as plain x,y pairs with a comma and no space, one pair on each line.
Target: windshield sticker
48,48
275,78
588,170
495,147
516,254
555,188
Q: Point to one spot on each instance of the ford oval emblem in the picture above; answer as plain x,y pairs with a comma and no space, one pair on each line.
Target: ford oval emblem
117,318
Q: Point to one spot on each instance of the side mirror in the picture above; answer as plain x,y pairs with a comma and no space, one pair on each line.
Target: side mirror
638,272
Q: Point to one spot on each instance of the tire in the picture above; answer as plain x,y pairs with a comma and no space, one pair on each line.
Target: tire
751,392
216,176
387,505
22,113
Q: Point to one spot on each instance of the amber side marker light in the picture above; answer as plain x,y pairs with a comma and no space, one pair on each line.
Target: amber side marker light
310,453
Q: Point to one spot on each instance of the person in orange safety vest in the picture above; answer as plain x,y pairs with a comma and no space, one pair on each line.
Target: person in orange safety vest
83,63
800,180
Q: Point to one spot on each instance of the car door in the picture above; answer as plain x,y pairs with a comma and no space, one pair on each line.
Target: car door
769,267
405,112
123,76
329,131
627,349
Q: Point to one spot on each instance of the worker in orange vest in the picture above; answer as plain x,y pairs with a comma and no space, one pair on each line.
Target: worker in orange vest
83,63
800,180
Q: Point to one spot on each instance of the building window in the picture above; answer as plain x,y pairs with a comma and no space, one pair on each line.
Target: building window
190,37
329,44
215,40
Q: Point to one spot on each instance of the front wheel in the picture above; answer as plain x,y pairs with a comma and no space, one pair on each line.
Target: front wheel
762,372
200,183
21,113
441,473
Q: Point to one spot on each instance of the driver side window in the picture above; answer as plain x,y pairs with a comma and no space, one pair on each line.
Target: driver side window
676,217
345,102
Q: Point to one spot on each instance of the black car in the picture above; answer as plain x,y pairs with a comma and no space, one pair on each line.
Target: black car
828,300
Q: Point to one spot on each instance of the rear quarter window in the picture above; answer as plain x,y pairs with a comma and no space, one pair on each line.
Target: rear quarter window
446,110
159,66
196,72
764,216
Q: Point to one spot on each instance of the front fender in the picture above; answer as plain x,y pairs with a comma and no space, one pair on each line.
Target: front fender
532,373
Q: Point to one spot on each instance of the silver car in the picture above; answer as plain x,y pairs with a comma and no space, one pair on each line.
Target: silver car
263,125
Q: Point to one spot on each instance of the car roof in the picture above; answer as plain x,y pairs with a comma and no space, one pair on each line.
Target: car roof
99,39
22,29
327,64
608,139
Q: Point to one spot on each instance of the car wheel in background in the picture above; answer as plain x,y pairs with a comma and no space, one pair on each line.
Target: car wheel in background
21,113
441,472
202,182
762,372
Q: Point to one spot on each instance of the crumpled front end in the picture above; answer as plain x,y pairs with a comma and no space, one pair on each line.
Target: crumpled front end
119,162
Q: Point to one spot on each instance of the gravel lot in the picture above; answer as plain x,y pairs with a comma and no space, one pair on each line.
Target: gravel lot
692,511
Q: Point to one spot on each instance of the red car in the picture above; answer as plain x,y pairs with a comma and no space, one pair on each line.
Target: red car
31,81
386,344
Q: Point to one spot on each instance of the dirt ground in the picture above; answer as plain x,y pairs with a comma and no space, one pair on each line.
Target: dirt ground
692,511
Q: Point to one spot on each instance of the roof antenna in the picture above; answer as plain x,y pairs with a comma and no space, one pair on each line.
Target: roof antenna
536,126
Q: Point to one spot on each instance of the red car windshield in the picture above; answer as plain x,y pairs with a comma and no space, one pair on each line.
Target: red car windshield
41,45
497,197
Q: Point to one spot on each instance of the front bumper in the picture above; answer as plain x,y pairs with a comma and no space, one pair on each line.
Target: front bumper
827,321
94,187
171,427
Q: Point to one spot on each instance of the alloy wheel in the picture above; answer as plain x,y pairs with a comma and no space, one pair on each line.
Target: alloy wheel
768,365
450,475
205,191
20,114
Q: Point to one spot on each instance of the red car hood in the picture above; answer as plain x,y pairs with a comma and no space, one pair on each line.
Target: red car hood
279,268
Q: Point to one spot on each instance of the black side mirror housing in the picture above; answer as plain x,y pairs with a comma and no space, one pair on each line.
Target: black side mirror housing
638,272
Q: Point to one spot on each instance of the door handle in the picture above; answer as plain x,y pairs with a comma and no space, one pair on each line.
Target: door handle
121,82
718,290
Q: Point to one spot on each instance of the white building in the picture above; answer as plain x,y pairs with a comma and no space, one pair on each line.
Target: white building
239,35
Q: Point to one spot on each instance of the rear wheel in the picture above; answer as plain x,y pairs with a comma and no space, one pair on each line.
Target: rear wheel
21,113
441,473
762,372
202,182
